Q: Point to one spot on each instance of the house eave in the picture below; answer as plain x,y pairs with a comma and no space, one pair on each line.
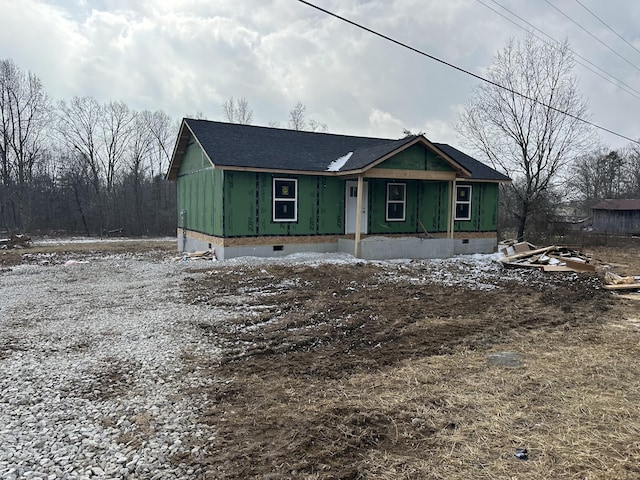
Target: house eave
282,171
483,180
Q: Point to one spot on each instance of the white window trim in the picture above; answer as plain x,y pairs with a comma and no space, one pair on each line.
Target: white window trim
466,202
403,202
293,201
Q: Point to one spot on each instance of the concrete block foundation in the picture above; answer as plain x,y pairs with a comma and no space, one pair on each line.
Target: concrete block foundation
371,248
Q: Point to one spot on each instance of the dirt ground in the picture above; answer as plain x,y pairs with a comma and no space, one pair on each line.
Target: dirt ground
347,374
375,370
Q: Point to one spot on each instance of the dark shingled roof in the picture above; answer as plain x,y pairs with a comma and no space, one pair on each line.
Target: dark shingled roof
619,204
247,146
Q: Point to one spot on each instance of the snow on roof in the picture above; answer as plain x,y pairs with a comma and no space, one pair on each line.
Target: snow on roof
336,165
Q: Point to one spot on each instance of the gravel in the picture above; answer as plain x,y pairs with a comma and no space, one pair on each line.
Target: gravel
98,377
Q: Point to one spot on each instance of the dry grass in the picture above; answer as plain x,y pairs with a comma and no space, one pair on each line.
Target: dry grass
574,404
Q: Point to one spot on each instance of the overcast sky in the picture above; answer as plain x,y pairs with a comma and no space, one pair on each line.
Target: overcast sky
187,56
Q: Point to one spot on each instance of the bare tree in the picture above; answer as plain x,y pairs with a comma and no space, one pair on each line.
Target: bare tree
79,127
237,111
198,115
533,136
298,120
633,171
164,130
25,113
297,117
117,128
141,148
599,175
316,126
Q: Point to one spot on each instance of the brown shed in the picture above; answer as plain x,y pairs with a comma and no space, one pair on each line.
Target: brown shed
620,216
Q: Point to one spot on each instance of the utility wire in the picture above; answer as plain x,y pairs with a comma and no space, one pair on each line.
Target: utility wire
612,80
593,36
606,25
467,72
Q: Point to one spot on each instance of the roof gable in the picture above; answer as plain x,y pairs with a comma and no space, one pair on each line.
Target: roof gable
419,157
234,146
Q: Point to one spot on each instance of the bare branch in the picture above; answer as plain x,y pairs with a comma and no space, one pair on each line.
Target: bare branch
296,117
237,112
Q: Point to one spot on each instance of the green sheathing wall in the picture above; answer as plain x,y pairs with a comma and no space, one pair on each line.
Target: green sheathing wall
239,203
434,162
248,205
199,192
307,207
378,205
434,206
331,193
484,209
428,201
416,157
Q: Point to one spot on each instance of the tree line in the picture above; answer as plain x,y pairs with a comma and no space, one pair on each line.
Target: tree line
80,166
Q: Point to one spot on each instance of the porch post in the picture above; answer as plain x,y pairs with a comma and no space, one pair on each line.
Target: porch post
358,216
452,208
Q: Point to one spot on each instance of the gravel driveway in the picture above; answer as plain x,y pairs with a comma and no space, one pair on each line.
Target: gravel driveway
94,381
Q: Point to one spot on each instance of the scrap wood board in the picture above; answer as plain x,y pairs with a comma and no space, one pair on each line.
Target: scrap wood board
548,259
623,286
629,296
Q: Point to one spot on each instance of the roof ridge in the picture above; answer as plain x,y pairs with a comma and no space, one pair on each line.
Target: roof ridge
301,132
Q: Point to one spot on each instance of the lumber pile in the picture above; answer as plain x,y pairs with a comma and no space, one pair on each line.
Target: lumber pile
616,282
15,241
548,259
203,255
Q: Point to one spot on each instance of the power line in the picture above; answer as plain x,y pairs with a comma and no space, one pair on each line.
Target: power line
606,25
466,72
593,36
613,80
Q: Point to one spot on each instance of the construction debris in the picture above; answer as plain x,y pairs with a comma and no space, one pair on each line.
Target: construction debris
547,259
204,255
15,241
617,282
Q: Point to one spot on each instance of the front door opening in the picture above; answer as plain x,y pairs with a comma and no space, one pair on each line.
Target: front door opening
351,204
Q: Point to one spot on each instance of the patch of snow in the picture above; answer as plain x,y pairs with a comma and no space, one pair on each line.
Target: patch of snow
64,240
309,258
337,164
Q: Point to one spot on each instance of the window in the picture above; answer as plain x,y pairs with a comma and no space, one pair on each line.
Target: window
285,200
396,202
463,202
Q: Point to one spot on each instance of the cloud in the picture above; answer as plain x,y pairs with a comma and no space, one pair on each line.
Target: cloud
184,56
382,123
